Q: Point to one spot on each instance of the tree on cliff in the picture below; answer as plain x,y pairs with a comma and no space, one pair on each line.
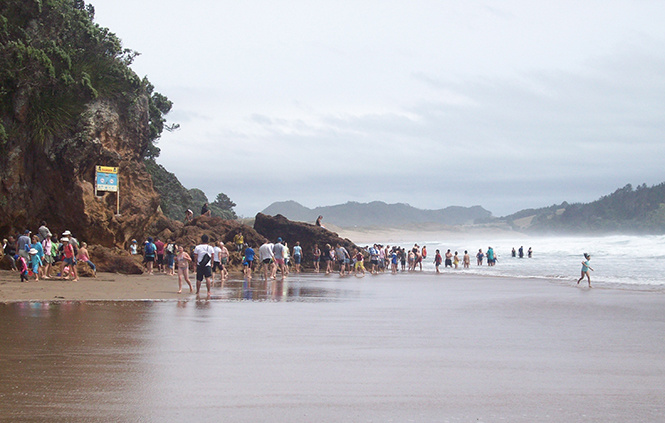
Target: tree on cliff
70,101
223,207
54,60
175,198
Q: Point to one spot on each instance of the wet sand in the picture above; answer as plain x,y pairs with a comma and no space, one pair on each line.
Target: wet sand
417,347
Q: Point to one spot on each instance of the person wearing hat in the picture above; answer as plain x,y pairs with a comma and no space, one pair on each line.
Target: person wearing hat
69,258
36,245
133,248
189,216
73,241
34,262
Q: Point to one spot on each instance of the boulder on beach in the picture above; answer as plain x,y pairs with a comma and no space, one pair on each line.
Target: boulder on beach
273,227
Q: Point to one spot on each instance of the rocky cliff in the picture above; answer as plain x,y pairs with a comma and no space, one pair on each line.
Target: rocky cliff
56,181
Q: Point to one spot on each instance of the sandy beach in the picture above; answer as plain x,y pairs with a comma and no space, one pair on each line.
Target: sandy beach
107,286
415,347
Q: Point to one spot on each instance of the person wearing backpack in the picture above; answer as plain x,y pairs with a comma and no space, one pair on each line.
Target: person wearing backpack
169,256
149,254
203,257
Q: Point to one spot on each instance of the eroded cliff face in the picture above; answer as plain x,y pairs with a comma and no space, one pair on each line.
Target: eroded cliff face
55,182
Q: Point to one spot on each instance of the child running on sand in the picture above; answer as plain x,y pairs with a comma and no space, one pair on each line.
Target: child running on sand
22,267
585,269
183,260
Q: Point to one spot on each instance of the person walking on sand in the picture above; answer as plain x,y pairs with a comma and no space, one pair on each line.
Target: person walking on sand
267,257
159,244
170,250
326,254
217,262
248,262
183,259
316,252
225,260
149,252
204,255
342,256
585,269
35,263
359,265
278,251
69,259
297,256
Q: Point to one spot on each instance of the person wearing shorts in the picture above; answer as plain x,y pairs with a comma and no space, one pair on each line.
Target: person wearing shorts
159,244
248,262
203,256
69,258
217,263
278,251
266,256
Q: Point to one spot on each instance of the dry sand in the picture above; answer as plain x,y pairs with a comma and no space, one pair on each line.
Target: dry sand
107,286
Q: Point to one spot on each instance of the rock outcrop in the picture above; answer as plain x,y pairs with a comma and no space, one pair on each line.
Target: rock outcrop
56,182
273,227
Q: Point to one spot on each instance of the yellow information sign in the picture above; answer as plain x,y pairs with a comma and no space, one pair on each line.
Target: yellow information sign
107,169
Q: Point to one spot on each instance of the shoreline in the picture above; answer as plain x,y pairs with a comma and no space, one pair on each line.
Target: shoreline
161,287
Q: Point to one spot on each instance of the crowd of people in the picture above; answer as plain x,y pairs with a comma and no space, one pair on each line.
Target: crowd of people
43,255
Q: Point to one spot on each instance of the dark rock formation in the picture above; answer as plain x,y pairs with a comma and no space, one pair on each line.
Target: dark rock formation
114,260
56,183
273,227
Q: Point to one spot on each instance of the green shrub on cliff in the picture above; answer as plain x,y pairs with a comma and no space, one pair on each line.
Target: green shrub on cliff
54,60
176,199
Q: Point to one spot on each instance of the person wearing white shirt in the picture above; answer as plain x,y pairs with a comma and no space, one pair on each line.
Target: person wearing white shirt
267,257
203,256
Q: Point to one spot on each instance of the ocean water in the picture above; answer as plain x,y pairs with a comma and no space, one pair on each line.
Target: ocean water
620,260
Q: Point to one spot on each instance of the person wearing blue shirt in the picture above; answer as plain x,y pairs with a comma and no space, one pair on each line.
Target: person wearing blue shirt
248,261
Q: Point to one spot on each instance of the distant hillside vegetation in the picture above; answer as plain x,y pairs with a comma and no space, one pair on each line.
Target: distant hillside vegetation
627,210
378,213
175,199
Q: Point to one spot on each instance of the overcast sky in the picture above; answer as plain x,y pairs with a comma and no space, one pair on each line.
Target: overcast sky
504,104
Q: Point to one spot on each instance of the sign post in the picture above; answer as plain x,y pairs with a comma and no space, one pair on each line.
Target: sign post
106,179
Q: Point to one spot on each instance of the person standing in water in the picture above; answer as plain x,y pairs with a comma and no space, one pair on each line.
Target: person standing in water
585,269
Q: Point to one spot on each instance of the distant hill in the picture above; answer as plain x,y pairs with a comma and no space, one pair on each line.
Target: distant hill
378,213
627,210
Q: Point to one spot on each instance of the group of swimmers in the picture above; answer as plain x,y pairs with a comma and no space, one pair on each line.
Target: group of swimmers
44,255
